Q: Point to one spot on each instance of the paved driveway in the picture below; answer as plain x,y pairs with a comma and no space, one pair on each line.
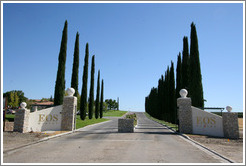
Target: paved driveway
101,143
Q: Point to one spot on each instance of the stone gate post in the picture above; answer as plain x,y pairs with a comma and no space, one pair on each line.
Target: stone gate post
69,111
21,121
230,124
184,112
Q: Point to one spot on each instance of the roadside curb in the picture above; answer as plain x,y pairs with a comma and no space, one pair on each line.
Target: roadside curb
48,138
195,142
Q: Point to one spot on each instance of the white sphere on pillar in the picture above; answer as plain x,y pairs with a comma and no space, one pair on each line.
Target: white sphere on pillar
229,108
183,93
23,105
70,91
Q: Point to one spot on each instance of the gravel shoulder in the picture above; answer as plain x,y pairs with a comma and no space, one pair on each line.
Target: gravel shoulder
230,148
12,140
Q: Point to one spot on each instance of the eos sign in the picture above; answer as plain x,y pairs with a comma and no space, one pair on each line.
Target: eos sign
206,123
47,119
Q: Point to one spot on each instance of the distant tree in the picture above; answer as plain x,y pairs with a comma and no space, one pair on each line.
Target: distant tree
112,104
101,103
60,78
15,97
185,65
118,102
178,76
75,73
51,99
14,100
153,102
97,104
91,99
196,88
83,99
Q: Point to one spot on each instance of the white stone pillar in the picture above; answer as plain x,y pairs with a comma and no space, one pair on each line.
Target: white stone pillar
184,112
230,124
21,121
69,111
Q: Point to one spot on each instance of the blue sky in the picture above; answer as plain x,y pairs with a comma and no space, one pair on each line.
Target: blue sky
133,44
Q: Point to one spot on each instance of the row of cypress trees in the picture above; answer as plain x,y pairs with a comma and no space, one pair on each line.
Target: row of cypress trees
161,103
60,80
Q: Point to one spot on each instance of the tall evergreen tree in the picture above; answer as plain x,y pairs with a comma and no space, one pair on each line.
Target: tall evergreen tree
91,98
185,65
172,95
83,99
97,104
60,77
75,73
160,98
196,88
101,103
167,97
178,76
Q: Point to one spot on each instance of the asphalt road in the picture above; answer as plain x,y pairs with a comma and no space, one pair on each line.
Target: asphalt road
101,143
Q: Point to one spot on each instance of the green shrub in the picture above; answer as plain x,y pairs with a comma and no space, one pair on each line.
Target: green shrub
132,116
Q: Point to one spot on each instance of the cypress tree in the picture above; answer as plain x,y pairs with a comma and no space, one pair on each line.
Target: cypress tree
185,65
60,77
75,73
83,99
160,98
97,104
153,102
172,95
196,88
168,116
165,98
178,76
91,98
146,105
101,103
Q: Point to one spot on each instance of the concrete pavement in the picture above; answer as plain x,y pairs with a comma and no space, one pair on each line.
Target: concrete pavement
101,143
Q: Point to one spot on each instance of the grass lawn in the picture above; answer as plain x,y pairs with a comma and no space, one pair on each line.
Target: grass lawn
114,113
82,123
10,117
173,126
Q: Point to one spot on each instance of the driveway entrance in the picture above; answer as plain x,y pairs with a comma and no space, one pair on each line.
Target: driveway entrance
101,143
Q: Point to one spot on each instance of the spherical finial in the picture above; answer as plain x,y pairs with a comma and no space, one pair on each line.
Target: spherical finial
183,93
70,91
229,108
23,105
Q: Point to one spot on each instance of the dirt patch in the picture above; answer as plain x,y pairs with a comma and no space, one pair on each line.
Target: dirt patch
230,148
13,140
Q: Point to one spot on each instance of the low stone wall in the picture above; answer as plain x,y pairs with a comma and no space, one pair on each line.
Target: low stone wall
196,121
56,118
126,125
